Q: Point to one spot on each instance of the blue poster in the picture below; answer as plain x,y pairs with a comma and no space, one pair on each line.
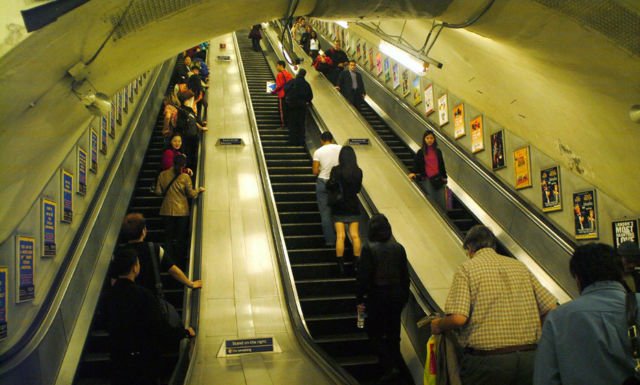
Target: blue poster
119,108
3,303
585,214
67,196
112,121
125,100
48,228
94,151
103,136
25,249
82,171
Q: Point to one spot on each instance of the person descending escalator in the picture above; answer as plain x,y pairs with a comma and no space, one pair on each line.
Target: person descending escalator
429,170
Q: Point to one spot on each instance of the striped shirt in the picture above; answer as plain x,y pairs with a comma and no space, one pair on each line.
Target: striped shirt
502,300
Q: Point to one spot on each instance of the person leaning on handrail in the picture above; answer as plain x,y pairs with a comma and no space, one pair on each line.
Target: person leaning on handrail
498,306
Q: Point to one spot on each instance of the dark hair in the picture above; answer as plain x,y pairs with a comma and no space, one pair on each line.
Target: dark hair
183,96
479,237
281,63
435,140
179,161
595,262
314,33
124,259
348,163
352,61
301,73
379,228
326,136
132,226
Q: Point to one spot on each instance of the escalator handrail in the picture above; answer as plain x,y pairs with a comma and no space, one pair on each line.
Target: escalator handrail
50,306
286,274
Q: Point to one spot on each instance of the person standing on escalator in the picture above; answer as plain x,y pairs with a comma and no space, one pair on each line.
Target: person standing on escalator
429,170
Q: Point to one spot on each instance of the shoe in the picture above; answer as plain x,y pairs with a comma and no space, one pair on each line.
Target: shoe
341,266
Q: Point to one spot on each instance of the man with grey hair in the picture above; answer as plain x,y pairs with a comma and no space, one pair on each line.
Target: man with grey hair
497,306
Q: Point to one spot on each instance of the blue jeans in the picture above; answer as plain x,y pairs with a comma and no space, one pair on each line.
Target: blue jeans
325,212
436,195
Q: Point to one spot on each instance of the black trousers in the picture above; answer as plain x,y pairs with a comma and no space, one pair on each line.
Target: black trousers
384,306
296,121
175,234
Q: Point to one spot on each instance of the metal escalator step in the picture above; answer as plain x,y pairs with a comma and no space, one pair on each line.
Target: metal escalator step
301,228
291,207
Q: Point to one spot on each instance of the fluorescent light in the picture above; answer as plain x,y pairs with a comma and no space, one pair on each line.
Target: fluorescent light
343,24
403,57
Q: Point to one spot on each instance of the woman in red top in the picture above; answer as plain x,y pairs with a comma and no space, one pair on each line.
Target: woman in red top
175,148
429,169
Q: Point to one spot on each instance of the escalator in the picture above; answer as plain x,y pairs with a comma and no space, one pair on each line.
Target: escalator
327,300
94,367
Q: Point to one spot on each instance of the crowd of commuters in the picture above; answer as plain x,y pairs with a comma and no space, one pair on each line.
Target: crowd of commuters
141,323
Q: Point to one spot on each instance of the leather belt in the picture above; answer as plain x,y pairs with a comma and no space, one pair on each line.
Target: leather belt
505,350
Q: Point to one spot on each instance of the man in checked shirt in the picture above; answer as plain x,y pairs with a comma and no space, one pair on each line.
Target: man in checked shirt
497,305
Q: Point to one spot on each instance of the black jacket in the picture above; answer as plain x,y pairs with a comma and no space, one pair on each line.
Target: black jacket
350,189
418,165
297,93
383,265
346,87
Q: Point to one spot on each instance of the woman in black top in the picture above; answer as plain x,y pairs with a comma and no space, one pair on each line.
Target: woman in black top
347,210
383,277
429,169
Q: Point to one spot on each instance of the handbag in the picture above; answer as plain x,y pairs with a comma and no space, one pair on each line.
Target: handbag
168,311
437,181
334,191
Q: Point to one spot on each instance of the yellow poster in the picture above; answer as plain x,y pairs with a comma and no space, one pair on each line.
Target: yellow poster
458,121
522,164
477,140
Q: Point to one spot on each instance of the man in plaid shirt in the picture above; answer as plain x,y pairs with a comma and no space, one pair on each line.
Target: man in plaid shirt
497,305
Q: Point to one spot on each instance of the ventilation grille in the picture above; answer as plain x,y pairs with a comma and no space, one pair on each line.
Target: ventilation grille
143,12
608,17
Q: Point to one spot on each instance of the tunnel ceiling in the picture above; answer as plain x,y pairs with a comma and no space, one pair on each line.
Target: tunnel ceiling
571,65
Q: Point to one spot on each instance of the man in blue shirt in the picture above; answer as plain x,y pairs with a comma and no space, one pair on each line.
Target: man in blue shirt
585,341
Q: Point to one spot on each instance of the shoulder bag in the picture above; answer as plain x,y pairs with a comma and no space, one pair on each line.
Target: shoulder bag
169,312
334,190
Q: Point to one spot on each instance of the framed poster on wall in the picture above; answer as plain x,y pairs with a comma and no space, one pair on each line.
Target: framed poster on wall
550,187
458,121
82,172
387,69
4,294
49,212
477,134
405,83
25,268
443,110
624,230
428,100
522,165
67,197
372,62
396,76
93,141
378,63
585,214
497,150
417,95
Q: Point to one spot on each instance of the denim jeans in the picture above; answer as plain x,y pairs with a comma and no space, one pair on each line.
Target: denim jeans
436,195
325,212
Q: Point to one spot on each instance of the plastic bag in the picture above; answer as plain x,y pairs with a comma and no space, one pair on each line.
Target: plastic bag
431,366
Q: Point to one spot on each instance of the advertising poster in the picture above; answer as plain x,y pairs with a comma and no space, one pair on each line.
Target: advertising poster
67,197
378,63
364,53
458,121
387,69
625,231
358,50
584,214
125,100
550,187
119,108
82,171
48,228
497,150
104,139
25,269
112,121
405,83
417,95
443,110
131,92
93,140
3,303
372,63
396,76
346,43
136,85
477,137
428,100
522,164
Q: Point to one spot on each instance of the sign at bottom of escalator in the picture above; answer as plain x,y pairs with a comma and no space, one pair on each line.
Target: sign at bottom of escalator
358,141
230,141
250,345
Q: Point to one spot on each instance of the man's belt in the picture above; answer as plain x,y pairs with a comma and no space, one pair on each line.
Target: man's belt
505,350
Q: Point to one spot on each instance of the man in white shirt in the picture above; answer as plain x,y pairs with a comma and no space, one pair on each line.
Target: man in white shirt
324,159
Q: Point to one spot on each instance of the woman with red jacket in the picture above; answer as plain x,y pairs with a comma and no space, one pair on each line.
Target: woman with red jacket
429,169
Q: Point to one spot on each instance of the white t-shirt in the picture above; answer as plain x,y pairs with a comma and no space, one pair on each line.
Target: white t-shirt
314,44
327,155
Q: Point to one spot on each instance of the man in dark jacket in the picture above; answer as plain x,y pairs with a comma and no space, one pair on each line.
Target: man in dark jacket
298,95
351,86
136,326
383,276
339,61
